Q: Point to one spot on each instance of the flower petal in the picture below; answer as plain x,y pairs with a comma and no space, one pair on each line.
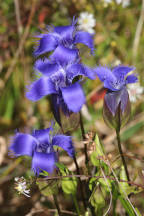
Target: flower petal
106,76
47,43
79,69
23,144
64,142
104,73
46,67
66,32
113,99
84,38
43,161
73,97
121,71
40,88
131,79
42,135
64,55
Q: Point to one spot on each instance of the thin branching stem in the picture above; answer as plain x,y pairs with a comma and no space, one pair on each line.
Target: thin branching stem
56,204
119,144
81,183
83,136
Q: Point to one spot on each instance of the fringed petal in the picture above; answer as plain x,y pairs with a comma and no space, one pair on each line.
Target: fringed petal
84,38
73,97
43,161
131,79
23,144
121,71
66,32
64,142
40,88
106,76
48,42
79,69
46,67
42,135
64,55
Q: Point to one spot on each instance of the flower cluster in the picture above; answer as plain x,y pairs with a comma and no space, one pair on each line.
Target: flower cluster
61,74
59,70
40,146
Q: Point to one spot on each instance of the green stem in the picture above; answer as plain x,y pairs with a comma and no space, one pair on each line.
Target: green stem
57,205
83,136
121,154
81,184
76,204
119,144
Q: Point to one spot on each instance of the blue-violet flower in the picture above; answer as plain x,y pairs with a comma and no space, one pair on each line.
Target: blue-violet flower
62,40
39,145
115,81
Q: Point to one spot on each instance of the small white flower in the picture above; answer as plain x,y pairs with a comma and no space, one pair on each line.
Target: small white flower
86,22
125,3
135,92
21,186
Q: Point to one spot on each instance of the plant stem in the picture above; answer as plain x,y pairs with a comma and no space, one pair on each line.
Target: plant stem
76,204
119,144
83,136
56,204
81,183
121,154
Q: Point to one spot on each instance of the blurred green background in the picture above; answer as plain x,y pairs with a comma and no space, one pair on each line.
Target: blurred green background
118,38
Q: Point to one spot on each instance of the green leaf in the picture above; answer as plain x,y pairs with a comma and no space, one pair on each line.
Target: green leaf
124,186
62,168
94,160
138,212
99,151
131,131
92,183
127,206
99,146
48,187
69,185
105,184
97,199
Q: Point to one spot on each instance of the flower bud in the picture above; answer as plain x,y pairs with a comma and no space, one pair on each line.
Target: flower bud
116,108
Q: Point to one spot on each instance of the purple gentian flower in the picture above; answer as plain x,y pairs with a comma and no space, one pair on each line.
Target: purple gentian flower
39,145
63,40
115,81
57,80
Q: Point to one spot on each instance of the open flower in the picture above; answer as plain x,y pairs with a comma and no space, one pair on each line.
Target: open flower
115,81
21,186
62,40
39,146
116,98
57,80
86,22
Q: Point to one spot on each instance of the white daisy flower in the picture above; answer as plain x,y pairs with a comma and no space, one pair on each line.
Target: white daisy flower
135,91
21,186
86,22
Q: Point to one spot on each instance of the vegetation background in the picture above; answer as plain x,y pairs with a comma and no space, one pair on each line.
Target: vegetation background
119,37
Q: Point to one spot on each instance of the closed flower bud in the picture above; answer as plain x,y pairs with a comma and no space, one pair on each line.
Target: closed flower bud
116,108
